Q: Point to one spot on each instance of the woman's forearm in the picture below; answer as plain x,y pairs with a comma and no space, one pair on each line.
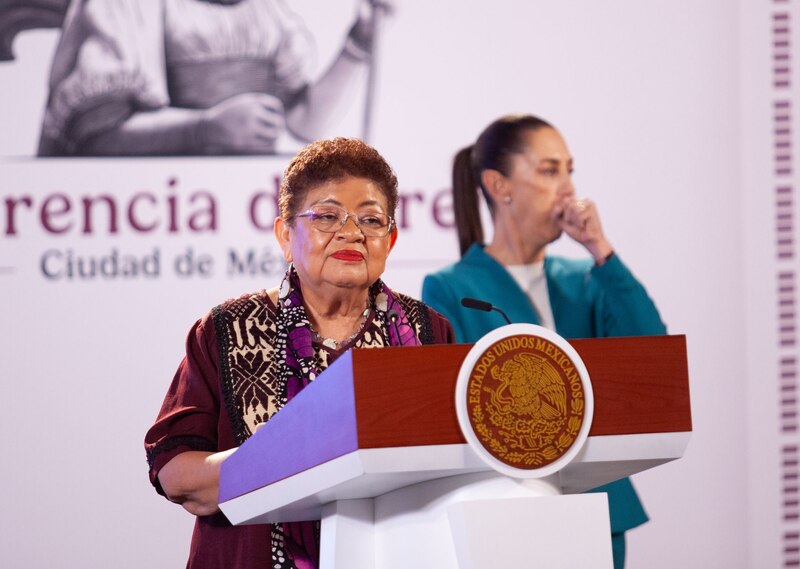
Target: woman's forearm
191,479
328,98
164,131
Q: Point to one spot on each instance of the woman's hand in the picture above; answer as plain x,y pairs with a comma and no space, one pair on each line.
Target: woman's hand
244,124
579,219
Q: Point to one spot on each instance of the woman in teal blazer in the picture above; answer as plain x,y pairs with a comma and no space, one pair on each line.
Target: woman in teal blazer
523,168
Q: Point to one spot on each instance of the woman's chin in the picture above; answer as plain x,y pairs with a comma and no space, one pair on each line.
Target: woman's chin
351,281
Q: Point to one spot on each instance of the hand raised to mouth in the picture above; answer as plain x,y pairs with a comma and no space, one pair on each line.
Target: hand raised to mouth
580,219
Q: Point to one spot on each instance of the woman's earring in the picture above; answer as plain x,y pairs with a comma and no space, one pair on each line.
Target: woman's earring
507,200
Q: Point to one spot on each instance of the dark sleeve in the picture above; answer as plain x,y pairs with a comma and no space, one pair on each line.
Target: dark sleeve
441,328
190,413
625,308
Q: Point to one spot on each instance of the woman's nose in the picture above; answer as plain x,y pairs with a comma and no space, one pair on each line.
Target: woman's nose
350,227
567,188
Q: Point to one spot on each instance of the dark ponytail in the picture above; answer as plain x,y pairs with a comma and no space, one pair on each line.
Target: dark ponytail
492,151
465,200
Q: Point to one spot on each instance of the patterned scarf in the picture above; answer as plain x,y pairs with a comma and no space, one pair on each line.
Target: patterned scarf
294,345
295,335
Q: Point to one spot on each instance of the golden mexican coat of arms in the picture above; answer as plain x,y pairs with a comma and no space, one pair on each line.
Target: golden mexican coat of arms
526,401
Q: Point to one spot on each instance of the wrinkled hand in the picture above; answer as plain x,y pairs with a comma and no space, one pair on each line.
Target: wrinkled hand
244,124
579,219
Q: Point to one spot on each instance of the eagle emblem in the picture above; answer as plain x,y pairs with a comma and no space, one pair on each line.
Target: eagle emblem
526,404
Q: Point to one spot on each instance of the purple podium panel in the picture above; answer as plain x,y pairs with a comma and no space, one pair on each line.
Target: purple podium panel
316,426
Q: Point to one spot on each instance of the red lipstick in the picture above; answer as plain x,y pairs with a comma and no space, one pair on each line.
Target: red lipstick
348,255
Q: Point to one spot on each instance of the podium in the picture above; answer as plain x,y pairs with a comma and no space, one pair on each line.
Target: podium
374,449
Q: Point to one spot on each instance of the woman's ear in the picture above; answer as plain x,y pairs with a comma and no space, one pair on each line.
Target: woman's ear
392,240
284,237
495,184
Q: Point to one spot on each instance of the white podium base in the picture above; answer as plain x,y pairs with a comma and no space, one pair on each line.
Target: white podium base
472,521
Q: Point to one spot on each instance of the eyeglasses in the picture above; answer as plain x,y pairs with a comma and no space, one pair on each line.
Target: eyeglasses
331,218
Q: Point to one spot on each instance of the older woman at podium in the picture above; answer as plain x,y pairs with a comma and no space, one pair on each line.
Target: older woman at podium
249,356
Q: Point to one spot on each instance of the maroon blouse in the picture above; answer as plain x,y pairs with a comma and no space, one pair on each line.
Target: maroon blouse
223,387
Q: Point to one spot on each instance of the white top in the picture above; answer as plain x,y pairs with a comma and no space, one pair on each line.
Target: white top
113,55
249,29
531,279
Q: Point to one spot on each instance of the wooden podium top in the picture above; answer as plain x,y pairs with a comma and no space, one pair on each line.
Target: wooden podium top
641,385
381,419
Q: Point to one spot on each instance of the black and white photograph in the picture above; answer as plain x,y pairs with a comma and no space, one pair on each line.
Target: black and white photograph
196,77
